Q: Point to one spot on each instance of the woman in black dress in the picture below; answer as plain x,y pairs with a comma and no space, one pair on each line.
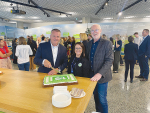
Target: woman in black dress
78,64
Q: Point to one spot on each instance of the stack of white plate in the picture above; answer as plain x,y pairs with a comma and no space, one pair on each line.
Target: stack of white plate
60,89
61,100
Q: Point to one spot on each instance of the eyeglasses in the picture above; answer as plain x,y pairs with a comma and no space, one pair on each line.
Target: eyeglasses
92,31
78,48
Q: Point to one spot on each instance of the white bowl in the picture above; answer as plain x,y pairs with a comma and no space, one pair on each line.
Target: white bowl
61,100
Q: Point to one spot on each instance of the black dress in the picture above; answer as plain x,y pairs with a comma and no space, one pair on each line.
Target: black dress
79,66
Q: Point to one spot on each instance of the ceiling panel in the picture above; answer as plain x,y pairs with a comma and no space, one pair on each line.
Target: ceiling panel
79,9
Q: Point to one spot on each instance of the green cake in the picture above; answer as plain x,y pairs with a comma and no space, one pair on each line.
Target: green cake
55,80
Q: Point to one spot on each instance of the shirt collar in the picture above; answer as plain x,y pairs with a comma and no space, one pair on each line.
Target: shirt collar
145,37
96,41
54,46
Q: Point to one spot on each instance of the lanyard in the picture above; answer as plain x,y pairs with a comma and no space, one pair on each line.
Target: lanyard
3,49
73,64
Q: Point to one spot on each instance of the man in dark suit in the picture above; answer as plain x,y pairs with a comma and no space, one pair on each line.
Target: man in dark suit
144,55
100,54
51,54
130,56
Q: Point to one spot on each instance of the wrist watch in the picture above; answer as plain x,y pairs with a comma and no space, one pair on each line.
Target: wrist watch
59,69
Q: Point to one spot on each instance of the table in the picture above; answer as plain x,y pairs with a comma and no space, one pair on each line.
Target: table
22,92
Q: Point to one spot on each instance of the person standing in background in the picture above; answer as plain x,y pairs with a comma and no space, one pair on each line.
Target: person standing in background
14,45
100,54
130,56
22,52
34,42
144,55
137,40
4,55
117,50
89,37
33,48
84,39
43,39
72,44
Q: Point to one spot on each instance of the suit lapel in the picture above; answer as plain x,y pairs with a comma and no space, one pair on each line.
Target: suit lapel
90,45
99,46
57,59
51,54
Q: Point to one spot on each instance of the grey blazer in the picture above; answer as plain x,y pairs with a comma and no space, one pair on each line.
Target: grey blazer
103,59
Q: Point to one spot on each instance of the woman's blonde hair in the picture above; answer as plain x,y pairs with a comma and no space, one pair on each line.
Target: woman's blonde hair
61,41
22,41
118,36
83,36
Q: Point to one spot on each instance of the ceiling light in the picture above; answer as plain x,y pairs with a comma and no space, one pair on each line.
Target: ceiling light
108,18
34,17
62,16
120,13
106,3
147,16
19,17
129,17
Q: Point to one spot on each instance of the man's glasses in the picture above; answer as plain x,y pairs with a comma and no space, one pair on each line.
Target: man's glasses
92,31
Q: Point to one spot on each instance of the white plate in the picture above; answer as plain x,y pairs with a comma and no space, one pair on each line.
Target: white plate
61,100
80,96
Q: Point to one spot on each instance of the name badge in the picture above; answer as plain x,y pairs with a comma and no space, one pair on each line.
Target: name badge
80,64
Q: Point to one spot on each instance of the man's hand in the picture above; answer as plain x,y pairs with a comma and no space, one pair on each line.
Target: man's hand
53,72
96,77
47,63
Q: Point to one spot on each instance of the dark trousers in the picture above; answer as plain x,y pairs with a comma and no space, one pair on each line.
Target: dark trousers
144,67
121,60
129,63
116,60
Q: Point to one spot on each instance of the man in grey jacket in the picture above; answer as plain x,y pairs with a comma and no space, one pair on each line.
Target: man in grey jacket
99,53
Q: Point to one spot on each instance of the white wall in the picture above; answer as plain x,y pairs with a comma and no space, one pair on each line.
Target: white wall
33,25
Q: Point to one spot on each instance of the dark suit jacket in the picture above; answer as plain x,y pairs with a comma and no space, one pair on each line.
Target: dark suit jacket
103,59
144,48
44,51
131,51
82,71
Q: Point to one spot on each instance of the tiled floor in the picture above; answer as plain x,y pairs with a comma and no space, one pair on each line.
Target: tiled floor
125,97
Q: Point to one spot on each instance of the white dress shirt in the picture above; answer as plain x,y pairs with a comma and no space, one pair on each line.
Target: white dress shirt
54,52
137,40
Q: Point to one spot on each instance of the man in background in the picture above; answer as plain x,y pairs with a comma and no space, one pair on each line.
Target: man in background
144,55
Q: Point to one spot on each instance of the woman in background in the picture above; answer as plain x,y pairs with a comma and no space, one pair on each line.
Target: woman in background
72,45
33,48
22,52
4,55
117,50
61,41
14,45
78,64
84,39
130,56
